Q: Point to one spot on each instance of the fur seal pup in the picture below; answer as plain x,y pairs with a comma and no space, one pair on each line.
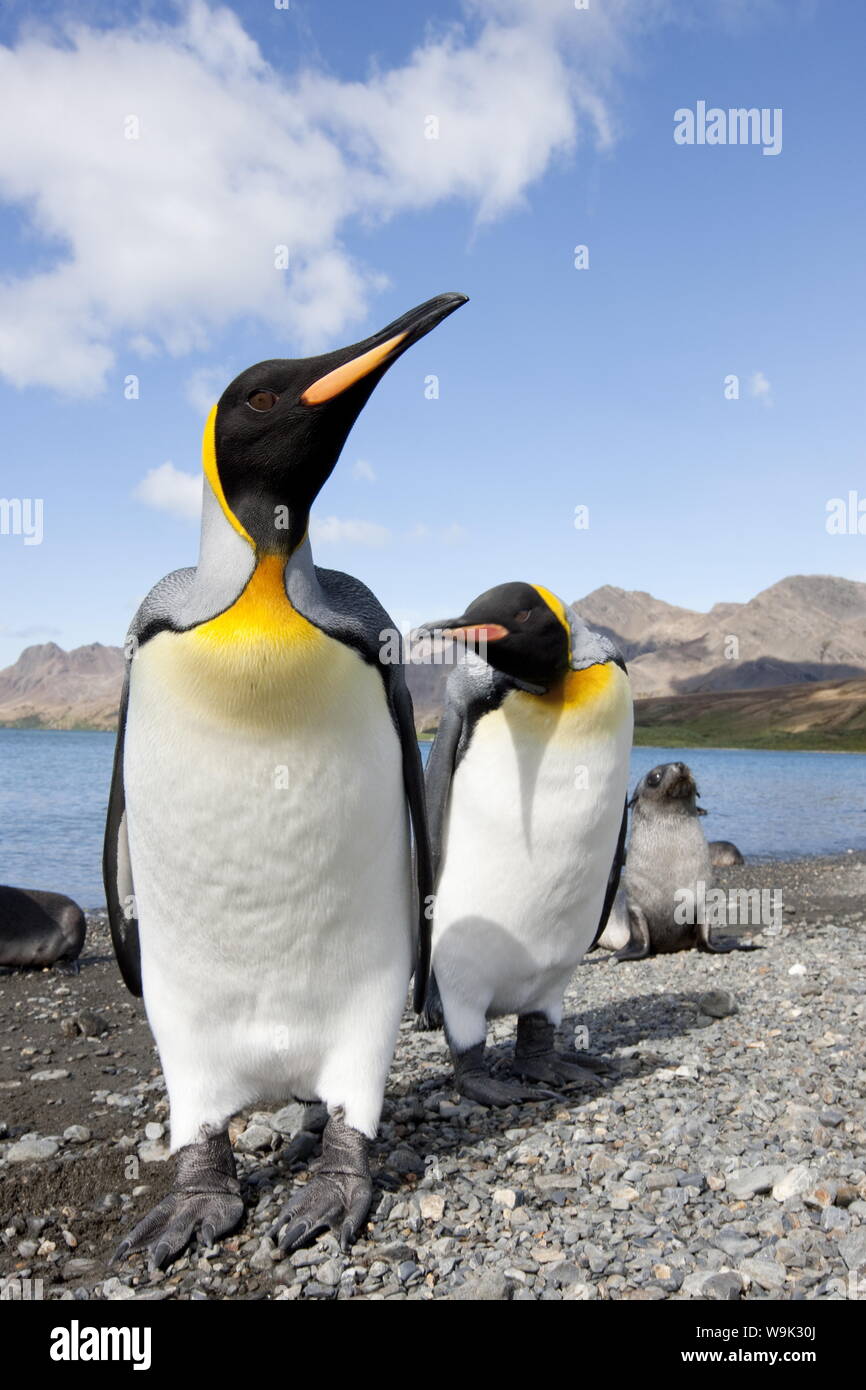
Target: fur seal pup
39,929
667,855
724,855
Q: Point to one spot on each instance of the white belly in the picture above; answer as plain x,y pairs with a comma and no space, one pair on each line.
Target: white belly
530,838
271,867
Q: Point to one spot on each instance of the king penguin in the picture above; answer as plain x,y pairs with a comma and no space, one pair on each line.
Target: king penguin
526,785
258,863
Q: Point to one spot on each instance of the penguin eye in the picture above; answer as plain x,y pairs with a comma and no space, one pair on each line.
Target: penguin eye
262,400
523,616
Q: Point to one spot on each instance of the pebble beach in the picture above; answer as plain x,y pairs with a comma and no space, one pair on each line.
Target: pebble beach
720,1156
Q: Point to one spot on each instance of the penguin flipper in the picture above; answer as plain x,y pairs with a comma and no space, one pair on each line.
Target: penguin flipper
440,770
116,869
613,878
437,782
413,780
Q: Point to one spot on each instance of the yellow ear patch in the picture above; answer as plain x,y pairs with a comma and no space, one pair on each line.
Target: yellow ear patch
556,606
341,378
209,464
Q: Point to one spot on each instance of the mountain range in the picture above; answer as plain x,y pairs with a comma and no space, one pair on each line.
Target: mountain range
49,688
803,630
806,628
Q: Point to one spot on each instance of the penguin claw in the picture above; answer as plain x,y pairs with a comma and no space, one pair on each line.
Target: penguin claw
586,1059
170,1226
336,1197
486,1090
428,1021
556,1070
432,1016
328,1202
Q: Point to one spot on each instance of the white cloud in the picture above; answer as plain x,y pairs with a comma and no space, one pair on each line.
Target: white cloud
760,388
168,489
331,530
205,386
161,240
363,471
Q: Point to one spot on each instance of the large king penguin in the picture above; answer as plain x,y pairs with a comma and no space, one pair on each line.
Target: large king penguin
257,863
526,785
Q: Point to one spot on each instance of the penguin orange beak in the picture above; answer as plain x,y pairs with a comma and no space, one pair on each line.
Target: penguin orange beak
378,353
477,632
458,630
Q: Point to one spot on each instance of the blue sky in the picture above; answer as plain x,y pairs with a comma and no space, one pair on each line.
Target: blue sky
558,387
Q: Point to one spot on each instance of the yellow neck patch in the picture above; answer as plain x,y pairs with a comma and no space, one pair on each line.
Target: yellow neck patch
209,464
593,701
580,687
556,606
262,615
260,664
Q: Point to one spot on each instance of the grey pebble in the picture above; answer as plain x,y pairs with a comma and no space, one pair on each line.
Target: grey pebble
718,1003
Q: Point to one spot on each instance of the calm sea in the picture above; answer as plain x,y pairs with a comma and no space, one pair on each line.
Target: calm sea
54,791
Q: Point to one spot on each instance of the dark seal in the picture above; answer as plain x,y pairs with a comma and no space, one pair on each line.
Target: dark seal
39,929
724,855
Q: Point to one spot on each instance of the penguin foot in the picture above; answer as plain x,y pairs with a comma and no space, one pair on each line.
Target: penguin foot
337,1196
591,1062
535,1056
206,1200
723,944
556,1070
632,952
431,1016
475,1082
484,1089
430,1019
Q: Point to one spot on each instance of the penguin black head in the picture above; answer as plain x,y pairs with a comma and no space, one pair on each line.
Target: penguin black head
277,431
669,786
520,629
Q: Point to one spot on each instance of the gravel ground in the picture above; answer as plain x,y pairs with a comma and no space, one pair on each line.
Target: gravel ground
719,1158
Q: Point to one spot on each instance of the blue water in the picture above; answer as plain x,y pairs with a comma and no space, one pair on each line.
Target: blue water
54,792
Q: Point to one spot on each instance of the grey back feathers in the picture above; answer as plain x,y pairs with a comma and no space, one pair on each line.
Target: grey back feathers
588,647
